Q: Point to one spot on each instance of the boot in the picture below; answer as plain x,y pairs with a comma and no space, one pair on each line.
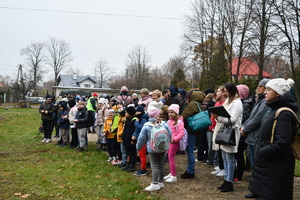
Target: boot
126,167
131,168
222,186
228,187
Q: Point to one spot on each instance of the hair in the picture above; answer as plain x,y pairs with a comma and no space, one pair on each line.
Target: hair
144,91
164,92
209,97
157,93
81,103
232,90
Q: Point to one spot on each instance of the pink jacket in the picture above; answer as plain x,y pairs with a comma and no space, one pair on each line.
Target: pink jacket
177,130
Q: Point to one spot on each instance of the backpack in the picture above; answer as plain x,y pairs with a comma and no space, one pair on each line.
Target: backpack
159,138
296,144
91,118
183,142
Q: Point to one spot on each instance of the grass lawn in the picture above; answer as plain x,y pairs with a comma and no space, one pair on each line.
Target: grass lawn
32,170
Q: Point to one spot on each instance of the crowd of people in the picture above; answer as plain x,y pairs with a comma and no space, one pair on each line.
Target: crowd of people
123,125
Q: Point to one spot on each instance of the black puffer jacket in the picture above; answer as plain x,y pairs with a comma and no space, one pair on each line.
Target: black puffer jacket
82,116
273,175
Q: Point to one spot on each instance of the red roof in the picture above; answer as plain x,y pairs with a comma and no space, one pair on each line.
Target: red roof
247,68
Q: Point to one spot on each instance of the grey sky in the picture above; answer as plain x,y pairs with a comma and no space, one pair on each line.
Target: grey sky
103,31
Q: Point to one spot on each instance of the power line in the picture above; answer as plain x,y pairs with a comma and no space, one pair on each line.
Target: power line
89,13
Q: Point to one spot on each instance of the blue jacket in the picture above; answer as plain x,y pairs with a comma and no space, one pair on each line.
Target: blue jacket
145,136
139,125
63,122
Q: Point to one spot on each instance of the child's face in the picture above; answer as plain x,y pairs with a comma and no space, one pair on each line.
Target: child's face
110,114
154,97
171,114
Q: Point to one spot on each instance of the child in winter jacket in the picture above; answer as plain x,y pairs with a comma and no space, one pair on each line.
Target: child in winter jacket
110,136
63,123
157,160
177,128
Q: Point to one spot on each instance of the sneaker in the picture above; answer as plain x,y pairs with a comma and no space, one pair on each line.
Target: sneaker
172,179
221,173
121,165
216,167
62,145
161,185
116,162
48,140
216,172
110,159
236,180
200,161
140,172
187,175
44,140
168,176
152,187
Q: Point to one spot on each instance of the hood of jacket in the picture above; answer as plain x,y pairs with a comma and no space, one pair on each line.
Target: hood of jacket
197,96
173,90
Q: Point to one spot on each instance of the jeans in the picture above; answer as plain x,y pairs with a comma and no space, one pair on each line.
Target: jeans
124,155
251,154
229,165
190,153
82,137
171,155
157,161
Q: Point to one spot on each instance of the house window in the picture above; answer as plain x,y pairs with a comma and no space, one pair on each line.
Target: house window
87,86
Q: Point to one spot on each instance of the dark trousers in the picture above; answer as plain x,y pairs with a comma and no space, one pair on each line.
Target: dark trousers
131,152
202,146
74,141
48,128
221,163
240,160
111,146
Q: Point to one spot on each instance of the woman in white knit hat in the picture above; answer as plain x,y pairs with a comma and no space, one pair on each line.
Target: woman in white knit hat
273,174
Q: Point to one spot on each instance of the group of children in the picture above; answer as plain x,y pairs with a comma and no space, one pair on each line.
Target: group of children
126,133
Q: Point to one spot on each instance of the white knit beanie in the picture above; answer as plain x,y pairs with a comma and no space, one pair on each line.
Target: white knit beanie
280,85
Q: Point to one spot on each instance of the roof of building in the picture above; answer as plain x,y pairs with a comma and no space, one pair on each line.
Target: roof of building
247,68
69,81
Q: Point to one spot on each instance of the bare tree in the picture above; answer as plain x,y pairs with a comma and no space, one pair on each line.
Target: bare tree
175,63
22,85
137,67
59,55
35,57
288,13
102,72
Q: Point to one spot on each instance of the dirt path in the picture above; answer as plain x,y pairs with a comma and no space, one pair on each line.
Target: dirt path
203,186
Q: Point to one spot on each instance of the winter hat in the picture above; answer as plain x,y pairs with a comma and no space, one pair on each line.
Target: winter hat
48,97
134,94
124,89
102,100
122,113
243,91
208,90
173,90
153,112
175,108
139,109
263,82
280,85
72,103
130,110
95,94
111,110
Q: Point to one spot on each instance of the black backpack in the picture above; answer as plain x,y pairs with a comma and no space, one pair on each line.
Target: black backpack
91,118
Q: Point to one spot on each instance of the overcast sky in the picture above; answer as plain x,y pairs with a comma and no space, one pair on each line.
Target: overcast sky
96,29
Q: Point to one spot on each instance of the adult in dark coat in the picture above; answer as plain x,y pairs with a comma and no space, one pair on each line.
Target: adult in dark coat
172,96
273,174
